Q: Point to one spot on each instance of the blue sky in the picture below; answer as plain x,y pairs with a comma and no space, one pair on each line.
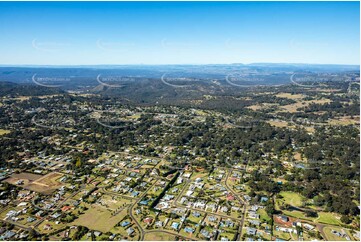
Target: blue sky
90,33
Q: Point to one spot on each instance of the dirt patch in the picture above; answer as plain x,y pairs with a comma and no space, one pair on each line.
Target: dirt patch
37,183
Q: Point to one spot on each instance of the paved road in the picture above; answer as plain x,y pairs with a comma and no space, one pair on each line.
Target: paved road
241,201
130,210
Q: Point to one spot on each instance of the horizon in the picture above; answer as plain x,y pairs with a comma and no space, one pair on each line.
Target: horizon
185,64
179,33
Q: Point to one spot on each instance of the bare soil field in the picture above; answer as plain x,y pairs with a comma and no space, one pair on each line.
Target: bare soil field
37,183
290,96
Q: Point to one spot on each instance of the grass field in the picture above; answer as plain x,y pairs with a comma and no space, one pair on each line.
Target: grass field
264,216
282,235
328,218
261,106
279,124
292,108
290,96
103,221
344,120
160,236
292,198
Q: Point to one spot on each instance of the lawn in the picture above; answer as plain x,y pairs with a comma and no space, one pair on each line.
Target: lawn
264,216
292,198
328,218
282,235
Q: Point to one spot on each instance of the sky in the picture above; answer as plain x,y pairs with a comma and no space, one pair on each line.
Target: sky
119,33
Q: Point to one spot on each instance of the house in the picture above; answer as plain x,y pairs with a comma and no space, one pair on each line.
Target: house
254,208
183,200
125,223
224,239
255,222
212,219
253,215
7,235
47,227
247,198
284,218
144,202
308,226
148,220
251,231
196,214
230,197
224,209
179,180
135,194
56,215
188,230
187,175
66,208
206,234
189,193
97,233
158,224
175,225
30,219
22,204
130,231
264,199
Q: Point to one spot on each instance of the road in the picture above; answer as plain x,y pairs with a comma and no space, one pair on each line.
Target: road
130,210
241,201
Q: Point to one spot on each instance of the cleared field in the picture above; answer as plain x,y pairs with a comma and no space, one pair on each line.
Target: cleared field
37,183
279,124
290,96
104,221
261,106
4,131
345,121
49,180
292,108
328,218
28,176
292,198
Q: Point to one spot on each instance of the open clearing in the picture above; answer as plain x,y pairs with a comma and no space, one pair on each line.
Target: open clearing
261,106
4,131
292,108
37,183
292,198
345,121
328,218
160,236
279,124
332,237
290,96
103,221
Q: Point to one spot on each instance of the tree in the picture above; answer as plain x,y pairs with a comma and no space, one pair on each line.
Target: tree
345,219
